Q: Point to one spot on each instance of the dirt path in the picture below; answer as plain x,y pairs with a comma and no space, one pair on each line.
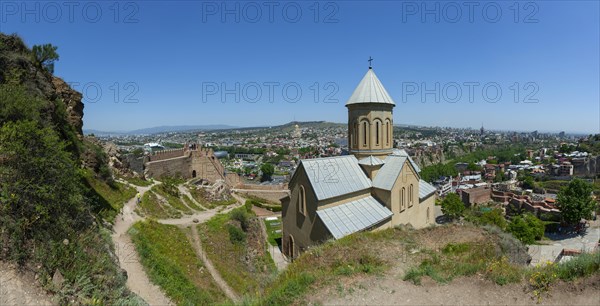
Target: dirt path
137,280
20,289
391,290
197,244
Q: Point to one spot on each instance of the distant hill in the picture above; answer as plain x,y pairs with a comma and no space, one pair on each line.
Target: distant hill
162,129
214,127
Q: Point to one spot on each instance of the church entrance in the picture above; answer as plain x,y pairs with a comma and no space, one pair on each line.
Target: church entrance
194,173
291,248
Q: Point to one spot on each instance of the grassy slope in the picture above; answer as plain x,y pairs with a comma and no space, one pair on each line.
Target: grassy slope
443,259
328,263
174,201
150,206
228,258
171,262
113,196
136,181
191,203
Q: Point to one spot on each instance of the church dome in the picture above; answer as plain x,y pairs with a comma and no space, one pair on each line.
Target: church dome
370,90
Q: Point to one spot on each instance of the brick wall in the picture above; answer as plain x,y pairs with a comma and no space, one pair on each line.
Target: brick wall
476,196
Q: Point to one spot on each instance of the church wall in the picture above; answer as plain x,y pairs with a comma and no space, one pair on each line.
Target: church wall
416,214
307,230
384,196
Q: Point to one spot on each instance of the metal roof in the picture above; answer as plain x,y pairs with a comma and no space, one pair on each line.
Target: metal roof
386,177
371,161
425,189
370,90
354,216
334,176
401,152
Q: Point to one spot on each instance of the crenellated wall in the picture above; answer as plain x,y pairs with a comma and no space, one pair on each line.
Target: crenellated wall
188,163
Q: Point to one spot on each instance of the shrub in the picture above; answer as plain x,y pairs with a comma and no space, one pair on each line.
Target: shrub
527,228
494,217
241,215
541,278
248,205
502,272
580,266
236,235
514,248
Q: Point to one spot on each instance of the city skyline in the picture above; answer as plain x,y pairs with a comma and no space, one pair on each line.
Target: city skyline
207,63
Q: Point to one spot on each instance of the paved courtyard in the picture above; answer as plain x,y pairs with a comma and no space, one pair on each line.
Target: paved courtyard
586,243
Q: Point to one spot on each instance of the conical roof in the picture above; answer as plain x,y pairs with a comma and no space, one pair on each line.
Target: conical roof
370,90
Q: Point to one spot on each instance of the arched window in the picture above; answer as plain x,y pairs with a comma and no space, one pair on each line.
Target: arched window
402,199
302,200
410,195
355,135
365,132
377,124
388,132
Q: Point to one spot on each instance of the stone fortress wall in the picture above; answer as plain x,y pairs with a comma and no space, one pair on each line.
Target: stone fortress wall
189,162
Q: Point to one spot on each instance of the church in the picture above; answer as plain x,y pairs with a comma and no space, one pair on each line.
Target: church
374,187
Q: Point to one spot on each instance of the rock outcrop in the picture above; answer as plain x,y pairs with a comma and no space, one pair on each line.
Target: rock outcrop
72,100
17,66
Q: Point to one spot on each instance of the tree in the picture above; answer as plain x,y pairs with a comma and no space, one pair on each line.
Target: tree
452,206
565,148
495,217
499,177
473,167
45,56
267,170
528,183
527,228
575,201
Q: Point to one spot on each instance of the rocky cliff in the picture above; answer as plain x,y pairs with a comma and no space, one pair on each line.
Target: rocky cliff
17,66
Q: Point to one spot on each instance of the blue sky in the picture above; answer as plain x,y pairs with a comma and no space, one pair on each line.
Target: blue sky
174,59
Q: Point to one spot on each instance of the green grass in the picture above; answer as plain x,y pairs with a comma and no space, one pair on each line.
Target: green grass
150,206
137,181
191,203
263,203
329,263
228,255
173,200
114,196
552,185
222,203
271,227
90,272
170,261
581,266
453,260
